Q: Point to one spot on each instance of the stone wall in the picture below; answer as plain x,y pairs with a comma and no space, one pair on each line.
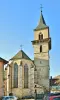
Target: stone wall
21,91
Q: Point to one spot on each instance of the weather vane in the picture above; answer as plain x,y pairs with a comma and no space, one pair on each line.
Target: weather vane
41,7
21,46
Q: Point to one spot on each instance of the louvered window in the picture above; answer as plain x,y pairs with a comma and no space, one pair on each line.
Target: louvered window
40,36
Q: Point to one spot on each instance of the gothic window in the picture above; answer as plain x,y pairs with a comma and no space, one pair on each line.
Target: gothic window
26,76
40,36
40,48
15,75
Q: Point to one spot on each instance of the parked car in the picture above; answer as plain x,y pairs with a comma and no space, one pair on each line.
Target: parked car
9,98
54,94
54,97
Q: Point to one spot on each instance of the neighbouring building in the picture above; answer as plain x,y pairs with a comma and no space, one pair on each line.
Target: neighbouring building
55,84
2,63
25,76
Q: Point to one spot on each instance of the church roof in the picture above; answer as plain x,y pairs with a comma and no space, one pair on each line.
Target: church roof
3,60
41,24
20,55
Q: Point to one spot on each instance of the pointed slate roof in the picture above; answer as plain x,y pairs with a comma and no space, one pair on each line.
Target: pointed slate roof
41,24
20,55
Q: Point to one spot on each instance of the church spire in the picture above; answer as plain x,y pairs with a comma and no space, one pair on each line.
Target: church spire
42,23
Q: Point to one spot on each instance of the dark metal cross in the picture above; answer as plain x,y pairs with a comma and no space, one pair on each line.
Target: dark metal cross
21,46
41,7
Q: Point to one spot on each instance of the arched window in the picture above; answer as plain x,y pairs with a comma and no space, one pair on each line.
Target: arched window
40,36
15,75
26,76
40,48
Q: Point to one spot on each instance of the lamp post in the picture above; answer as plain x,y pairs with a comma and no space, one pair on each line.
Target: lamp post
11,77
35,93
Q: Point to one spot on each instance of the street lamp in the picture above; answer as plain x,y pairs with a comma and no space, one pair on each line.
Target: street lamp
11,77
35,93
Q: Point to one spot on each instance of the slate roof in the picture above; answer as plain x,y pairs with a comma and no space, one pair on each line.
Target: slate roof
3,60
41,24
20,55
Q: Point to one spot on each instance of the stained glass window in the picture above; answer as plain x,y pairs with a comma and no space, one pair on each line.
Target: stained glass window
15,75
26,76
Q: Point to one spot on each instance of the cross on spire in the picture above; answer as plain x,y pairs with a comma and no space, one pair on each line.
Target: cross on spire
21,46
41,7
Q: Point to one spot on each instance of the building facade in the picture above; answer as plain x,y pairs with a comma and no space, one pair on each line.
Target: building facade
25,76
2,63
20,75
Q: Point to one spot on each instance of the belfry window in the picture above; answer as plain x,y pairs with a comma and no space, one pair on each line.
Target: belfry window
40,48
26,76
40,36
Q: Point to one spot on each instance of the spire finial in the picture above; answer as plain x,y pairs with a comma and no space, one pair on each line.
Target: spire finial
21,46
41,7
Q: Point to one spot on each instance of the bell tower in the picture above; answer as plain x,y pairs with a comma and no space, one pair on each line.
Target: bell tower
42,45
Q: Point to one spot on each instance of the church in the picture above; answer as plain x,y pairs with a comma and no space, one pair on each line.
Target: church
26,76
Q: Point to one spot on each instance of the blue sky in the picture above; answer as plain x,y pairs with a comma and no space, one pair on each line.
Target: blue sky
18,18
